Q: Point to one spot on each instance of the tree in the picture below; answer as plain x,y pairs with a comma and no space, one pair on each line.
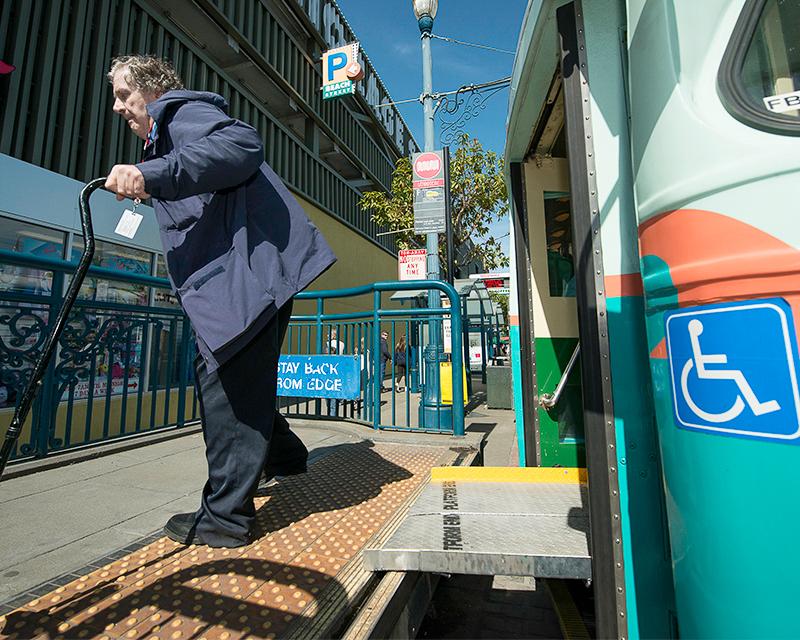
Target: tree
478,199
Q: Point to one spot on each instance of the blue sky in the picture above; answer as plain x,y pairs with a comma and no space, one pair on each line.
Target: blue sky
388,33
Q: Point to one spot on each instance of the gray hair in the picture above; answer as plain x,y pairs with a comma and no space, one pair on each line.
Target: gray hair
148,74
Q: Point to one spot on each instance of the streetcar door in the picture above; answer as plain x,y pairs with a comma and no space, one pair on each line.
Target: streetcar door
554,310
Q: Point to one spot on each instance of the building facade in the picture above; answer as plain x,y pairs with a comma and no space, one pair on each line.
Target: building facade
263,57
58,131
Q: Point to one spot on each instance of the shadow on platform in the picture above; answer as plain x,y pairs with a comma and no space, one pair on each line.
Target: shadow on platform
303,539
357,461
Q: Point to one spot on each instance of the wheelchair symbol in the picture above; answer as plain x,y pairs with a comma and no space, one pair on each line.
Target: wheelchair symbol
699,361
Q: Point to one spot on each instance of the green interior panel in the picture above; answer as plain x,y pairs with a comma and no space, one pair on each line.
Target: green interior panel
560,428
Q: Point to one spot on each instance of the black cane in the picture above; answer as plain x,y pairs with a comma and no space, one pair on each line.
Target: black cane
50,344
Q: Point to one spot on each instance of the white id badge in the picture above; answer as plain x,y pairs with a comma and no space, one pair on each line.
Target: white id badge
129,223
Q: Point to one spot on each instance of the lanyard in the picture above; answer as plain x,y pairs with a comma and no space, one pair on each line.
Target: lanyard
152,134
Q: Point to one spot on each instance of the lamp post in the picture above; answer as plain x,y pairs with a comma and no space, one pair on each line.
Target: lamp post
425,11
431,411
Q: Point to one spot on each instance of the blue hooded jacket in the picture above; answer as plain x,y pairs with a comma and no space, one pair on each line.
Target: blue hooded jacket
237,243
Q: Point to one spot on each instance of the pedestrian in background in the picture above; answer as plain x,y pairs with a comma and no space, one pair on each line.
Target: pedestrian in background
385,357
400,362
238,247
366,378
334,347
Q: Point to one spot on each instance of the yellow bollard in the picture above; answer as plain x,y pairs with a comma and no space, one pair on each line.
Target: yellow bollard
446,382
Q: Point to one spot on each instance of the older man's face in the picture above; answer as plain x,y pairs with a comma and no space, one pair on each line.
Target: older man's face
131,104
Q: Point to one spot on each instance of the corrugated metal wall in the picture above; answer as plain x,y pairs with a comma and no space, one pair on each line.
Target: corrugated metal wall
252,20
56,107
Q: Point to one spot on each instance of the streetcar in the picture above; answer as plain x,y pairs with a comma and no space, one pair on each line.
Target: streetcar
652,163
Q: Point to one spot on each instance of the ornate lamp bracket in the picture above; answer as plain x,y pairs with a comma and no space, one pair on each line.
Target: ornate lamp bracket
456,109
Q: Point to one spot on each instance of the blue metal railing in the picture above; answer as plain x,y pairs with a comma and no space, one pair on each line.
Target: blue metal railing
120,370
125,368
360,329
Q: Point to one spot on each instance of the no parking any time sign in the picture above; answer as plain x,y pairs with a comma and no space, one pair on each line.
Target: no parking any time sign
411,264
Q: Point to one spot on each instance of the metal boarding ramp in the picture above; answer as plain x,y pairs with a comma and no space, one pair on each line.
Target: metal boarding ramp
494,521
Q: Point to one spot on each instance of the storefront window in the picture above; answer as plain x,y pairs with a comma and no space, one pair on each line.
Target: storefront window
32,240
558,229
117,354
23,325
113,256
163,297
118,336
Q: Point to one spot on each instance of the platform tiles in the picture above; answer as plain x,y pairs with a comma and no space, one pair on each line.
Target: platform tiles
295,580
493,522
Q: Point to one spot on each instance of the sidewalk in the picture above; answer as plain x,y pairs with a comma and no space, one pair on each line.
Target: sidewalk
61,522
298,577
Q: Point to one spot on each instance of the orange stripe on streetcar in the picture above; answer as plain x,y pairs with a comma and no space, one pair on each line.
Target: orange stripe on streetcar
627,284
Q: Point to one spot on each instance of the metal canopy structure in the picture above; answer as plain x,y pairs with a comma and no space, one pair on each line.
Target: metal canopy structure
473,290
411,294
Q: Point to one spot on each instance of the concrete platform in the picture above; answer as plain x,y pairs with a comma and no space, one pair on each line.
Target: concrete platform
299,577
58,521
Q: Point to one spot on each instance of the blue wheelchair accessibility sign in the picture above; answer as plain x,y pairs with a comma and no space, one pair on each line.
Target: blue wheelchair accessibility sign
734,369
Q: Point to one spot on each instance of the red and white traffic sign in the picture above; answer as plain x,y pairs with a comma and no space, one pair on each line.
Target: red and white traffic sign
428,182
412,264
428,165
428,171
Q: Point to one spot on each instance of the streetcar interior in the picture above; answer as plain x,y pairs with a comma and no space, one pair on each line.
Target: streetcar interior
555,320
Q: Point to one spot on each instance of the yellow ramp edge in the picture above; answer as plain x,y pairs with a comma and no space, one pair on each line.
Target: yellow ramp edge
554,475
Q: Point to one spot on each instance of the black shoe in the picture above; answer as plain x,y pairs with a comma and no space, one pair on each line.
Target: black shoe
181,528
286,468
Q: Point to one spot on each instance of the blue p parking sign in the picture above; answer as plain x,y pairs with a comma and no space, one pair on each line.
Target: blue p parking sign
335,66
734,367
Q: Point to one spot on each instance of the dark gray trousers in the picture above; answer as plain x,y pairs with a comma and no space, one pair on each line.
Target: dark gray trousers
244,434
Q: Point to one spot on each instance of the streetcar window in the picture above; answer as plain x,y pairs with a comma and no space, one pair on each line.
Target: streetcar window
760,74
558,229
772,63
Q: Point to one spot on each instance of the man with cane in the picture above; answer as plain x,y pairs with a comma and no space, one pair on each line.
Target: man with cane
238,247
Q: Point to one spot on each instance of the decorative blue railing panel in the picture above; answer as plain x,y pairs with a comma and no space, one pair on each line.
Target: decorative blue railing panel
120,369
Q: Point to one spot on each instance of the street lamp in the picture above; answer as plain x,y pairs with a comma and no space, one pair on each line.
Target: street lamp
425,11
431,411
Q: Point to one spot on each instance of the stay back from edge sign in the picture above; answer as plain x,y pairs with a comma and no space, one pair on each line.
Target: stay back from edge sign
319,376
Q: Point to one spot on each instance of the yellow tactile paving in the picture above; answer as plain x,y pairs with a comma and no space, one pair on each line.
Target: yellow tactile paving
307,529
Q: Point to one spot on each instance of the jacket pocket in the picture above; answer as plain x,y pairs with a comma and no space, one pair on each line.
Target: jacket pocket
182,214
223,298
